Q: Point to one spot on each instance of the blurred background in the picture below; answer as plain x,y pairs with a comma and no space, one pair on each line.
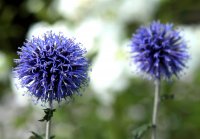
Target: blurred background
117,101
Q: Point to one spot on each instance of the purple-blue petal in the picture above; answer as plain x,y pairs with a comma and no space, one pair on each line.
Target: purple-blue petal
52,67
159,50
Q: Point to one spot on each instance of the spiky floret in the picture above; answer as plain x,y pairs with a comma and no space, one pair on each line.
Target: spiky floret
52,67
159,50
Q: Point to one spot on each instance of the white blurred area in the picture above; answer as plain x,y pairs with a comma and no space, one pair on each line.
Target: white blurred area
191,35
99,27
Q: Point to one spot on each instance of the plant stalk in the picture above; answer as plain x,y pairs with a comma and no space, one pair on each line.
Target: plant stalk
48,124
155,109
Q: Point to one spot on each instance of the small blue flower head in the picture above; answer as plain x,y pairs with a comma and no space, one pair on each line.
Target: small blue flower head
159,50
52,67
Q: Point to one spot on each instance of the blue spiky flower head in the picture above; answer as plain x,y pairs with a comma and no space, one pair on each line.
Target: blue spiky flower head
52,67
159,50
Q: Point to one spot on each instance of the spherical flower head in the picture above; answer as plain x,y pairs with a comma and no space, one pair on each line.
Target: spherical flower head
52,67
159,50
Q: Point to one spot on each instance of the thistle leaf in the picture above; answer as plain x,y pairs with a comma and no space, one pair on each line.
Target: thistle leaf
35,136
48,114
139,132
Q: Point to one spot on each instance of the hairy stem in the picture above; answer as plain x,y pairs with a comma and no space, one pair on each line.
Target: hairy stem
48,124
155,109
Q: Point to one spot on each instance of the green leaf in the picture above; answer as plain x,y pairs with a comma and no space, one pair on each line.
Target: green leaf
167,97
52,137
140,131
48,114
35,136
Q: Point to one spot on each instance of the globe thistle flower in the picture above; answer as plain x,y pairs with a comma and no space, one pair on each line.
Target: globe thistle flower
159,50
52,67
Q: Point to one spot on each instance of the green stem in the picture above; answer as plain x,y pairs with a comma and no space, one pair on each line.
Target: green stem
48,124
155,109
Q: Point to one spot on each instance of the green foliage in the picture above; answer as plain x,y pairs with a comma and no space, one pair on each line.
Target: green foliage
35,136
140,131
179,11
167,97
48,114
